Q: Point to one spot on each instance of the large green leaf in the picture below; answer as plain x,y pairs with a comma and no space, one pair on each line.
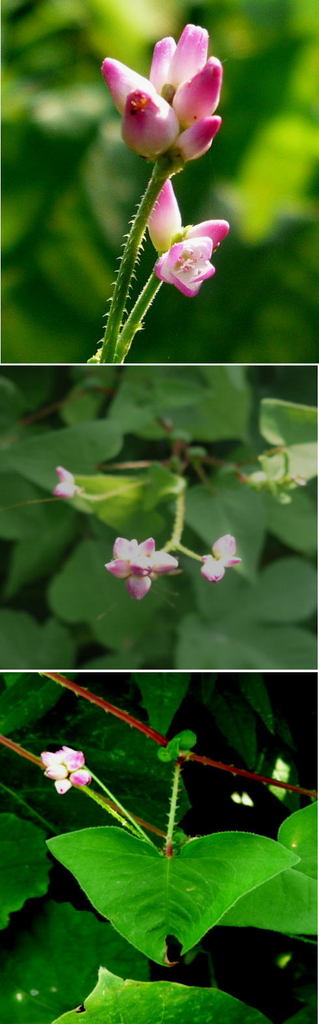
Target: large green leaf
24,864
149,897
294,524
40,977
79,449
25,701
162,694
115,1001
237,722
287,903
238,642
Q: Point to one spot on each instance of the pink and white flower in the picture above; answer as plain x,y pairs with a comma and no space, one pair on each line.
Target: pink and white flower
67,487
186,252
224,551
182,93
66,767
139,564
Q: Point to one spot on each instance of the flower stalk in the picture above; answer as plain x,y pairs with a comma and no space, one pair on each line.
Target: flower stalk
173,809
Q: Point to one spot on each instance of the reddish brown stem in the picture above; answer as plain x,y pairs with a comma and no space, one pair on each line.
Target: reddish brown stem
20,750
163,741
104,704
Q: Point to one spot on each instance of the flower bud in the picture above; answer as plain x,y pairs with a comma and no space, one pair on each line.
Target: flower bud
121,81
165,220
190,54
196,140
161,62
150,126
199,97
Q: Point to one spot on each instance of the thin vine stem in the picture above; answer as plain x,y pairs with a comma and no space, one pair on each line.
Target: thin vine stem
162,741
134,321
135,827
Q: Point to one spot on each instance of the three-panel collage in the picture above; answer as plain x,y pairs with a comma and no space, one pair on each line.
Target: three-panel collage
158,526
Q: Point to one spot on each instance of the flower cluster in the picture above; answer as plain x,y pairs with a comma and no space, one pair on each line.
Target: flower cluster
139,564
224,550
66,767
174,107
186,251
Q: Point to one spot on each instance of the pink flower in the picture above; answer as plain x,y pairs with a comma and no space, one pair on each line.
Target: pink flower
182,92
185,263
139,564
67,487
223,556
66,768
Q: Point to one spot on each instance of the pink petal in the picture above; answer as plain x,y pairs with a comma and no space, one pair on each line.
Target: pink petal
163,562
195,141
121,81
147,547
212,570
56,772
225,548
138,586
123,548
162,271
214,229
119,567
199,97
81,778
149,126
161,61
73,758
63,786
190,54
165,220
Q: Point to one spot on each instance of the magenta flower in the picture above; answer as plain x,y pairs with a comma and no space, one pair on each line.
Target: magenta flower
139,564
186,265
67,487
66,767
223,557
182,92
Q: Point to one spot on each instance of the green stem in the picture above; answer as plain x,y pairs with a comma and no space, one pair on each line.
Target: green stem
172,810
134,826
105,807
178,526
31,810
164,168
134,320
188,551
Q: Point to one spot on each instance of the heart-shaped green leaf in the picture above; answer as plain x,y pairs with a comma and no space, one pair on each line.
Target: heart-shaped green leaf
115,1001
24,864
149,897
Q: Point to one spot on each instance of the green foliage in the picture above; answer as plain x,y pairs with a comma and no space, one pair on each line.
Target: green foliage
44,969
172,1004
148,896
286,903
162,695
26,699
72,184
57,595
24,864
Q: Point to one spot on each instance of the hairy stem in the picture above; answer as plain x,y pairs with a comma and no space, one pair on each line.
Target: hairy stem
134,321
172,809
163,169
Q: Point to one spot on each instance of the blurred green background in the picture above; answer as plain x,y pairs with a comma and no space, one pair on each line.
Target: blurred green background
71,185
